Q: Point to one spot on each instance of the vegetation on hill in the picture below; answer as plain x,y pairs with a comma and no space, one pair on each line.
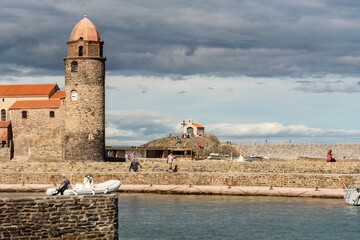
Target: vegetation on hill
210,144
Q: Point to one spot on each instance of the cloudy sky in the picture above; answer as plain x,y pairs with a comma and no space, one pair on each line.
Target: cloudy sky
243,69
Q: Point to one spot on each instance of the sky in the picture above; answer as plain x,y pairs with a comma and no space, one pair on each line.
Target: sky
243,69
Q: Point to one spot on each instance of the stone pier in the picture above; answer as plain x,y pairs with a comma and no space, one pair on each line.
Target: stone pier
59,217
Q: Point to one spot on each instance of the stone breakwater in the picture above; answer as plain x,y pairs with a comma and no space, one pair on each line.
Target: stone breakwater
62,217
288,151
288,174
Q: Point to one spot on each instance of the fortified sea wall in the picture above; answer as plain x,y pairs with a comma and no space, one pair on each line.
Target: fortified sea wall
63,217
288,152
291,174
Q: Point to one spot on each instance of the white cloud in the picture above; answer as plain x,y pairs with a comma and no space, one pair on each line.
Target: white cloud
275,129
134,127
152,125
119,133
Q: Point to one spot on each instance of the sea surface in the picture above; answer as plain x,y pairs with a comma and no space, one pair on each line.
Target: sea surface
163,216
151,216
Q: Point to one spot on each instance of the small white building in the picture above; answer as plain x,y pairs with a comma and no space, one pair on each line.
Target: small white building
190,127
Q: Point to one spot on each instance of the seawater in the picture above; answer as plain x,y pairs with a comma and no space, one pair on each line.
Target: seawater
163,216
151,216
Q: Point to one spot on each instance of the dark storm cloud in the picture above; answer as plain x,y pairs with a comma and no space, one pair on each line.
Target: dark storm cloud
224,38
327,87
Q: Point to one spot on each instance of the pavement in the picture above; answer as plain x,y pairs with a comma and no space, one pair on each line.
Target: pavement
199,189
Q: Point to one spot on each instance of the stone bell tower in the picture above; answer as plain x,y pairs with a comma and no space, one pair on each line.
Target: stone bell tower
84,137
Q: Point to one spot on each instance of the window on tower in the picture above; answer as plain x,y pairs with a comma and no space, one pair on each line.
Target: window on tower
3,115
80,51
24,114
74,66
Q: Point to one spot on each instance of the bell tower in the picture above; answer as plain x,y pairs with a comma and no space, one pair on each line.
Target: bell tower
84,137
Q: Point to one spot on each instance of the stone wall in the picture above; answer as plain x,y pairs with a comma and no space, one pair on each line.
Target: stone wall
288,152
85,118
5,152
296,174
300,167
292,180
38,136
61,217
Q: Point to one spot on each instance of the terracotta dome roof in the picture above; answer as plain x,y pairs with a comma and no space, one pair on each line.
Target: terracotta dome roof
85,29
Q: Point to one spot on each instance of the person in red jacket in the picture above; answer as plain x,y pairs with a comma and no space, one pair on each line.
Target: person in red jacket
329,157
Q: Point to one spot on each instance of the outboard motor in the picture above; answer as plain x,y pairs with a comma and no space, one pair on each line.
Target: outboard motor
63,186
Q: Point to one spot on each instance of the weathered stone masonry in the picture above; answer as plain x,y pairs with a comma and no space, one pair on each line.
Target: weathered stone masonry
62,217
295,174
39,134
290,152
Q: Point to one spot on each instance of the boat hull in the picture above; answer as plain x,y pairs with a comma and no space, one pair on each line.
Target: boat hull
352,197
81,189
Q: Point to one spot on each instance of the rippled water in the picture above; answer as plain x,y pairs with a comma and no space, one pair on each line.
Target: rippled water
151,216
157,216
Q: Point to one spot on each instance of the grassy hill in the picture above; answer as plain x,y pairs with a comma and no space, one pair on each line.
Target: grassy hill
209,142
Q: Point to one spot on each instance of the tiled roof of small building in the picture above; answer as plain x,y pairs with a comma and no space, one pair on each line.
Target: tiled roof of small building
19,90
198,125
4,124
58,94
20,104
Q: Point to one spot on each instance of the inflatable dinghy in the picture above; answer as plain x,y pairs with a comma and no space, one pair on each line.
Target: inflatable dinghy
352,196
85,189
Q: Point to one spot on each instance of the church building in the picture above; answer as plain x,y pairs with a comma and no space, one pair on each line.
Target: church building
191,128
42,122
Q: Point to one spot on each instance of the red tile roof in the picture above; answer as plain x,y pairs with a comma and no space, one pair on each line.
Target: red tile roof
58,94
197,125
53,103
4,124
18,90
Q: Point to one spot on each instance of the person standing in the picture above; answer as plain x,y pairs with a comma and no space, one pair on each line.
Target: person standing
132,158
170,160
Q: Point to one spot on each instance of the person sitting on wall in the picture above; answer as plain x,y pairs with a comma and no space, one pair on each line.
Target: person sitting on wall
329,157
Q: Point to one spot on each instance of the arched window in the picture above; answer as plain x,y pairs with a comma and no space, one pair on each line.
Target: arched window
74,66
189,130
3,115
80,50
